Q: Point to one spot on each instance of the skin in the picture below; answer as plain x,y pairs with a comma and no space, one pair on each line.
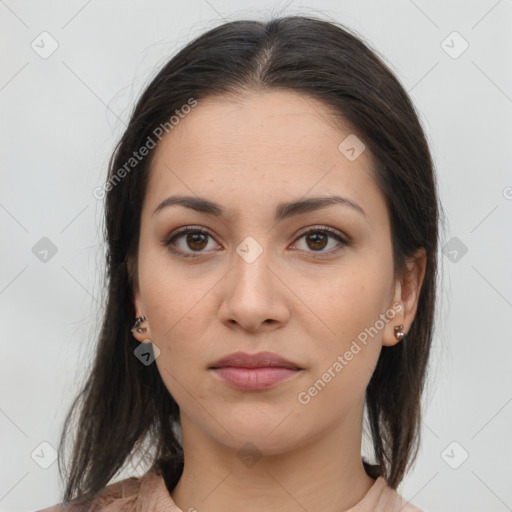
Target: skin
249,154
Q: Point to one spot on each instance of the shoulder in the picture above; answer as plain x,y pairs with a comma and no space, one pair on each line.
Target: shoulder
384,498
110,498
408,507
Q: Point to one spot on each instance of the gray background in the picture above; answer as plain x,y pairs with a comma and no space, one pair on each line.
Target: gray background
61,116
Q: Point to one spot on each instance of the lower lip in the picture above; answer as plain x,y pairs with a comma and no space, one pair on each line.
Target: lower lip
254,378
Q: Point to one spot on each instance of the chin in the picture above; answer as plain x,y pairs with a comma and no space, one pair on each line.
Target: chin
271,433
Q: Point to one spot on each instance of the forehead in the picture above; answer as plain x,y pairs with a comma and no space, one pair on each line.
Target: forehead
262,145
280,120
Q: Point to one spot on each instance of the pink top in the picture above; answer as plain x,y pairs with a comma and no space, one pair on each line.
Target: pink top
149,492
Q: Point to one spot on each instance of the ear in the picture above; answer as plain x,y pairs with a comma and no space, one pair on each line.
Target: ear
406,296
142,331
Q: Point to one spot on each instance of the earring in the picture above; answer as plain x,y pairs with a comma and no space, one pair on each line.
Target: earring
140,330
399,333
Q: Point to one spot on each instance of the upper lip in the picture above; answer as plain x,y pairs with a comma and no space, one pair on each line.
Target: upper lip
258,360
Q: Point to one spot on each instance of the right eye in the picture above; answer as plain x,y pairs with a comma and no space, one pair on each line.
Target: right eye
193,238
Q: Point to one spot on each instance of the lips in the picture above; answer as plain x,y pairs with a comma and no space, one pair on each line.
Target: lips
255,372
258,360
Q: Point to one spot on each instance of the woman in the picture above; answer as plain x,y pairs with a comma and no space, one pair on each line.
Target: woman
272,224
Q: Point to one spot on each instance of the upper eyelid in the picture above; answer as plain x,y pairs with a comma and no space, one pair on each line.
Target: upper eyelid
320,227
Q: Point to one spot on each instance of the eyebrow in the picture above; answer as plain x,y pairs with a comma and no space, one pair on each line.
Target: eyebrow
283,210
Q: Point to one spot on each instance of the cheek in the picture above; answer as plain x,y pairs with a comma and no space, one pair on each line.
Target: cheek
179,329
351,302
346,357
350,306
174,300
335,394
176,309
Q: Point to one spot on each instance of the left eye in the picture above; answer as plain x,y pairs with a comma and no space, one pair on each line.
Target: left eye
318,239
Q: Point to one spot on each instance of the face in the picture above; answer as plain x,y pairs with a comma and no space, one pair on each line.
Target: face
313,285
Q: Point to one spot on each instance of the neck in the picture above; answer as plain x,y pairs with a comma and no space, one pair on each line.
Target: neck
325,474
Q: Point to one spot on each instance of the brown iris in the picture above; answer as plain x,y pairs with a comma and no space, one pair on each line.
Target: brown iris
318,239
197,241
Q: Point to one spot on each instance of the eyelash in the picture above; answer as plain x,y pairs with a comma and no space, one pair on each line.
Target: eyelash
170,240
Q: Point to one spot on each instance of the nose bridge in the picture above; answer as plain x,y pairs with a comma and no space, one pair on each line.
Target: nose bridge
252,293
251,273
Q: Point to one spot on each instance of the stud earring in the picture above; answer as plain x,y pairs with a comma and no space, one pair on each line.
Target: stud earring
136,328
399,333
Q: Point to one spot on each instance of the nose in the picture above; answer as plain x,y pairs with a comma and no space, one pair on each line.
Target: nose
254,295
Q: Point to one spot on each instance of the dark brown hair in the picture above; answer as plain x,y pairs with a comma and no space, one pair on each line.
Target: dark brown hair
124,405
